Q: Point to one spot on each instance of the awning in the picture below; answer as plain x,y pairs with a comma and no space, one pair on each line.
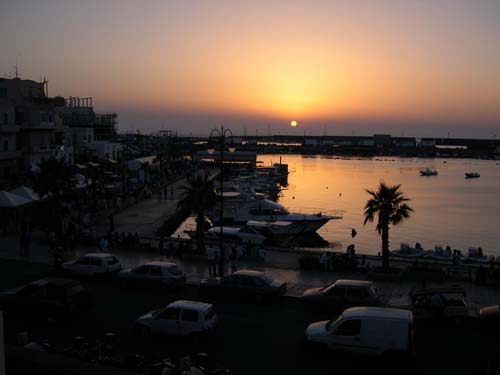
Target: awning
80,166
92,164
27,193
9,200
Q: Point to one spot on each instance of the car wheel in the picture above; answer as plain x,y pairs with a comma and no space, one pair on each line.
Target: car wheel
144,331
259,298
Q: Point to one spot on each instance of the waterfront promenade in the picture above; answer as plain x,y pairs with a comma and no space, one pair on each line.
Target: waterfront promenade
146,216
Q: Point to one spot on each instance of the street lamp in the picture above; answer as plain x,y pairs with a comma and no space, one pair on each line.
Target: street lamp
219,136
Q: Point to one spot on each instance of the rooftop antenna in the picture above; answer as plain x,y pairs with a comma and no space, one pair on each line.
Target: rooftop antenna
268,129
17,73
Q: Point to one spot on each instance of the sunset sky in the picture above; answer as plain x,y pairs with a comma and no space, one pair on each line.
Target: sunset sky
418,68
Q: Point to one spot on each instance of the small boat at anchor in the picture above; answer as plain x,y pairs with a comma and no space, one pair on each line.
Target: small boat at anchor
405,251
472,175
428,172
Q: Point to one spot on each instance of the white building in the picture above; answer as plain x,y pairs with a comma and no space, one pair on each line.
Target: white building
107,150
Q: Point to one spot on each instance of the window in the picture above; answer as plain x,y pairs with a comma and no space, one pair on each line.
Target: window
95,262
349,328
142,270
155,271
170,314
28,290
111,260
336,291
247,281
175,271
189,315
5,118
356,291
54,292
3,92
231,280
82,261
6,145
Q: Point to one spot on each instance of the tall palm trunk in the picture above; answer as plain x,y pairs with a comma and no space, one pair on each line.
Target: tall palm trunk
385,246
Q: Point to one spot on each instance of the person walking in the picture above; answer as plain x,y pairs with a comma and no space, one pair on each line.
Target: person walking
211,261
233,259
262,254
217,269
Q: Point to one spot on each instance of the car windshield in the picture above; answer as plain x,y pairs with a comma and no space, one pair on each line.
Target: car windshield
266,279
327,286
209,314
111,260
175,271
75,290
331,323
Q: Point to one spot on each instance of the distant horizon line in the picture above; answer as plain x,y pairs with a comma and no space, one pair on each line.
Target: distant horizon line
207,135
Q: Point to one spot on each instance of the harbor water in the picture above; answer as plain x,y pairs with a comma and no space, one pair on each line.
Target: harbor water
449,209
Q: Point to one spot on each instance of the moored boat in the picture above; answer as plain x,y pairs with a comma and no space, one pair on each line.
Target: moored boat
405,251
472,175
428,172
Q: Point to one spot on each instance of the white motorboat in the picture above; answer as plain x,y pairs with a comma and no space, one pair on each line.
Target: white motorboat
234,235
476,256
428,172
439,253
277,228
405,251
240,235
266,210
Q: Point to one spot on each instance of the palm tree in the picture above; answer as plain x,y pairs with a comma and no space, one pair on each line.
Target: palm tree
388,203
199,195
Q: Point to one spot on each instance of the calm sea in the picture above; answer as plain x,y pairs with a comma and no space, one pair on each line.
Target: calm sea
449,209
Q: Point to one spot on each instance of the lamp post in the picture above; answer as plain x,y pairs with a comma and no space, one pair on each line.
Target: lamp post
219,136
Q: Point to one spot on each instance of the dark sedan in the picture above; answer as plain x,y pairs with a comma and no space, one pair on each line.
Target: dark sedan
244,284
45,298
345,293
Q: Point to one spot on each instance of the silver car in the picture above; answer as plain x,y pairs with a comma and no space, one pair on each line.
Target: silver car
345,293
163,274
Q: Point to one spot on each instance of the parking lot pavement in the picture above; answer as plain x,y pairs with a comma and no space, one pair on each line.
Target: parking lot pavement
250,338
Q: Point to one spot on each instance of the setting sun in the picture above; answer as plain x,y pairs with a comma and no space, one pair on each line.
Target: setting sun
293,123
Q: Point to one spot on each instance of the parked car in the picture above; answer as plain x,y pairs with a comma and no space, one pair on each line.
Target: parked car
93,264
345,293
48,297
370,331
244,283
165,274
180,318
490,316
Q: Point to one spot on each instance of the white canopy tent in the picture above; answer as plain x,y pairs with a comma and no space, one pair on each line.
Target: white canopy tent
9,200
27,193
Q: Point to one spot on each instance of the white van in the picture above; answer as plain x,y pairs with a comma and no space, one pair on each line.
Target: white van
370,331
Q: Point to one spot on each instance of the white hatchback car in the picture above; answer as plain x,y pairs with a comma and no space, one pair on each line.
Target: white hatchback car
93,264
180,318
